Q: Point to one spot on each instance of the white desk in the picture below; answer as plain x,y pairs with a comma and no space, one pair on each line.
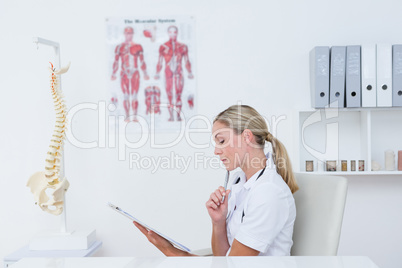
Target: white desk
194,262
26,253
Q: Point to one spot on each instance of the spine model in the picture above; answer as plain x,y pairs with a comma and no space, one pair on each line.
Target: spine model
52,200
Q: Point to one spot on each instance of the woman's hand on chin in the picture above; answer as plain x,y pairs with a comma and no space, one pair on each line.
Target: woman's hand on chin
217,209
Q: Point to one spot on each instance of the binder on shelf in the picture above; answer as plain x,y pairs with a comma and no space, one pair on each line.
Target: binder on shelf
319,76
397,75
384,75
353,79
368,73
337,76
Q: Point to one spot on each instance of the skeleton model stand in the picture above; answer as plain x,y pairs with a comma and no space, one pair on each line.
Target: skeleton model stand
49,186
50,178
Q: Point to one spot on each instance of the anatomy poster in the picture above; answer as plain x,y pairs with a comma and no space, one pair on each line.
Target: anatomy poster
151,74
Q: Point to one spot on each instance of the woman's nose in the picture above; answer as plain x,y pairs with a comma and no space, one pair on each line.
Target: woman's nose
217,150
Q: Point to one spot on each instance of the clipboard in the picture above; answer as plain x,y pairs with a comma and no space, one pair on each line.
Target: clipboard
124,213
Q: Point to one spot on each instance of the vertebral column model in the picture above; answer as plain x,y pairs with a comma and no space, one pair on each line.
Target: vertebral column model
50,178
173,52
130,53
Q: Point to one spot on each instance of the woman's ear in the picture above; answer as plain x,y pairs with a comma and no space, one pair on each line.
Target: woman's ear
248,136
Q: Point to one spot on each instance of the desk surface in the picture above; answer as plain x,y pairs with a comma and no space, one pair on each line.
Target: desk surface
185,262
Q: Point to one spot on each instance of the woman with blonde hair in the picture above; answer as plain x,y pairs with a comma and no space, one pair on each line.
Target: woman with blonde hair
257,217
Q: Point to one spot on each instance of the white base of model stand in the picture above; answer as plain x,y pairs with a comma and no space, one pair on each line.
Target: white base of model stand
63,241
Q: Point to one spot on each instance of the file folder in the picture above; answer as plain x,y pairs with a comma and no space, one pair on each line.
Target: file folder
319,76
397,75
384,75
353,79
337,76
369,72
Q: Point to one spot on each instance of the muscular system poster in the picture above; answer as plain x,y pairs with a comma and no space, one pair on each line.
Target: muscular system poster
151,69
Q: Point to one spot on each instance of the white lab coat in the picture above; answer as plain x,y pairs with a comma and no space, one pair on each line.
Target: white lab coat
261,212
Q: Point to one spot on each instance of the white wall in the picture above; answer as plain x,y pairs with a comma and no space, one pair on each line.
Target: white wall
255,52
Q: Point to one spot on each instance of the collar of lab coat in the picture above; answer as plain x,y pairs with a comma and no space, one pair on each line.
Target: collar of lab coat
250,182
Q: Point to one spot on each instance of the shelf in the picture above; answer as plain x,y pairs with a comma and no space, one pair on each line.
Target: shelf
359,109
347,134
352,173
332,135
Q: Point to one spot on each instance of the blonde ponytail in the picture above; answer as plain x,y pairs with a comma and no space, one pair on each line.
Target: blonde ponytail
241,117
282,162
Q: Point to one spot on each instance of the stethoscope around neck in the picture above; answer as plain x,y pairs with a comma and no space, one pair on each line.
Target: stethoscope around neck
237,181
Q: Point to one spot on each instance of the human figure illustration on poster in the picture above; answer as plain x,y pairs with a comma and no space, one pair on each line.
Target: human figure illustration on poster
165,96
153,99
173,53
129,53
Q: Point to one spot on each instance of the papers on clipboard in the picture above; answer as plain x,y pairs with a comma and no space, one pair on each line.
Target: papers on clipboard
122,212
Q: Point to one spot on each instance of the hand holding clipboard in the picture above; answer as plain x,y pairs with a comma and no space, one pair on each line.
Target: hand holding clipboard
145,228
